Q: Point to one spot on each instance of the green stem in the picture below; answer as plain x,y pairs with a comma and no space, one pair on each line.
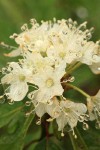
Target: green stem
72,141
70,66
79,90
74,67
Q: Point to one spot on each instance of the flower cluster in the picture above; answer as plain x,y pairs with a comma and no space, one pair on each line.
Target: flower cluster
49,51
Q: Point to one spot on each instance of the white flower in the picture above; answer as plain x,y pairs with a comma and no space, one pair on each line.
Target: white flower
47,49
53,109
91,53
14,53
93,105
42,108
17,78
59,40
36,62
70,114
49,83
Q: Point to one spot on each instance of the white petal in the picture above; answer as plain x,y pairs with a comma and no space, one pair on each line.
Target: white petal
40,109
95,68
61,121
18,91
7,79
98,94
72,120
14,53
80,108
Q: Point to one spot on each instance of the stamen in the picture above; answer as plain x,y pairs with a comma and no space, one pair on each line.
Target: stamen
62,133
75,136
50,119
38,121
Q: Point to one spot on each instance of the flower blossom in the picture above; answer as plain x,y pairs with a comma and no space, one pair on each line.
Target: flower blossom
49,52
70,114
17,79
93,106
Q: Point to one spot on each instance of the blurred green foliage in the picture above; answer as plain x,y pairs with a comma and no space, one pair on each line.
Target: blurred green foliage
13,14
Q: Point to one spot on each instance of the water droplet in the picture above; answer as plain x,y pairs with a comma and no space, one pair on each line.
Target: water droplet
62,134
72,79
81,118
1,96
50,119
28,103
75,136
11,102
87,117
97,125
38,122
27,114
85,126
31,95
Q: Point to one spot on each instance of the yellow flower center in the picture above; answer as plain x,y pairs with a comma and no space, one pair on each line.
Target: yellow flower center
49,82
21,77
62,54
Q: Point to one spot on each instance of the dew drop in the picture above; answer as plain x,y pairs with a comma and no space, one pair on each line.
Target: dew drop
27,114
28,103
31,95
87,117
50,119
85,126
62,134
72,79
75,136
11,102
38,122
81,118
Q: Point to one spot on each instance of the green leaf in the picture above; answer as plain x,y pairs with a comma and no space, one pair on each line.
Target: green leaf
49,144
91,137
78,143
7,113
13,137
25,129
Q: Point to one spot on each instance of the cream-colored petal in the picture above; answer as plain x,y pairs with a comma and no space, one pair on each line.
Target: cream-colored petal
95,68
40,109
18,91
7,79
61,121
